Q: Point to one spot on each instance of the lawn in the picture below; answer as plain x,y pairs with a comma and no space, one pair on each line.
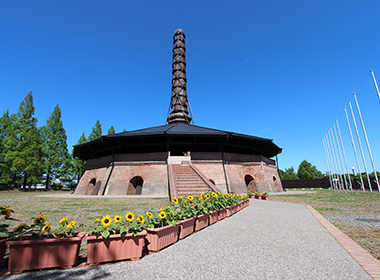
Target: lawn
356,213
27,205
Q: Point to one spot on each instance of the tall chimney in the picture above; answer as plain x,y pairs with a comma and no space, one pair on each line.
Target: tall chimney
178,103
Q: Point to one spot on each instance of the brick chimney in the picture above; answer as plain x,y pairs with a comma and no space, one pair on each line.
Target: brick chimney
178,102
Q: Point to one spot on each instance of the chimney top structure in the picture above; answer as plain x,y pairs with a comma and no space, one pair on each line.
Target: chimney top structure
179,100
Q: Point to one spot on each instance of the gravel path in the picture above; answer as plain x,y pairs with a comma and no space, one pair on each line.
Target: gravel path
267,240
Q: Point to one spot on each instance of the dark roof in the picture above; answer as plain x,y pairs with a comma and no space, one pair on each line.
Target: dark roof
177,136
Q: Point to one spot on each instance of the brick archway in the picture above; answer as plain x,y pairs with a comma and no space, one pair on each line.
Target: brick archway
250,183
135,186
90,186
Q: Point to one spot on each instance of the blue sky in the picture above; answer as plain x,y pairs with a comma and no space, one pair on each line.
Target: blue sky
282,70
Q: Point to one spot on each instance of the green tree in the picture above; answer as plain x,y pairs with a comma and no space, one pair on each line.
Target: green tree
56,155
78,164
8,141
111,130
288,174
307,171
96,132
25,152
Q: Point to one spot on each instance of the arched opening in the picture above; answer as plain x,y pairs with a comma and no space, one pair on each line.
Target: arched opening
135,186
90,186
250,183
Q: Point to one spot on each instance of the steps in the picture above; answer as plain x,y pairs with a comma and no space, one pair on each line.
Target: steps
187,181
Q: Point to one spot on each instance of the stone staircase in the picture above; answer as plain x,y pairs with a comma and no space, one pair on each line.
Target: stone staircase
187,181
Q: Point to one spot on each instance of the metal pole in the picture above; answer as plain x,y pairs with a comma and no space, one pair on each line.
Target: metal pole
366,139
344,154
354,148
327,161
377,88
340,157
341,186
360,146
330,162
336,178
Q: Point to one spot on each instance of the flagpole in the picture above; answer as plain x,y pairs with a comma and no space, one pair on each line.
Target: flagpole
344,154
340,157
327,161
374,80
366,139
333,165
360,146
354,148
336,159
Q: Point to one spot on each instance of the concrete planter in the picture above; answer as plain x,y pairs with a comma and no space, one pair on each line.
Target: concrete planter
116,247
213,217
201,222
158,238
186,227
222,213
44,253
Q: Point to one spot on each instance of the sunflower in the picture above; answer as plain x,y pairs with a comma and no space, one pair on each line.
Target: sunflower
70,225
64,220
233,197
8,211
175,200
106,221
214,194
208,196
162,215
202,194
171,212
168,207
20,227
141,219
130,217
190,198
150,216
98,220
46,228
40,219
117,219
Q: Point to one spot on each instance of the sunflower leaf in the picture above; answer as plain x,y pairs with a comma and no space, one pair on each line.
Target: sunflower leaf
105,234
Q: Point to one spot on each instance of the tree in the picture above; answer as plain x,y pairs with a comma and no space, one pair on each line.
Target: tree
96,132
56,155
307,171
111,130
24,146
8,141
78,164
289,174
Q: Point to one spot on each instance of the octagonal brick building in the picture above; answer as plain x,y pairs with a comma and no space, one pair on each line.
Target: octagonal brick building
178,158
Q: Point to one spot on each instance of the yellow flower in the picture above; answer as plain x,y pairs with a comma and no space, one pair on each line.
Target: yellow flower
214,194
40,220
207,196
64,220
162,215
46,228
171,212
106,221
161,209
168,207
70,225
98,220
8,211
20,227
175,200
130,217
150,216
141,219
190,198
202,194
117,219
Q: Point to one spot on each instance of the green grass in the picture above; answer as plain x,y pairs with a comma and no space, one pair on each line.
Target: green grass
84,210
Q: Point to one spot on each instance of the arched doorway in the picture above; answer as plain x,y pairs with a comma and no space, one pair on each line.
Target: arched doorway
250,183
135,186
90,186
